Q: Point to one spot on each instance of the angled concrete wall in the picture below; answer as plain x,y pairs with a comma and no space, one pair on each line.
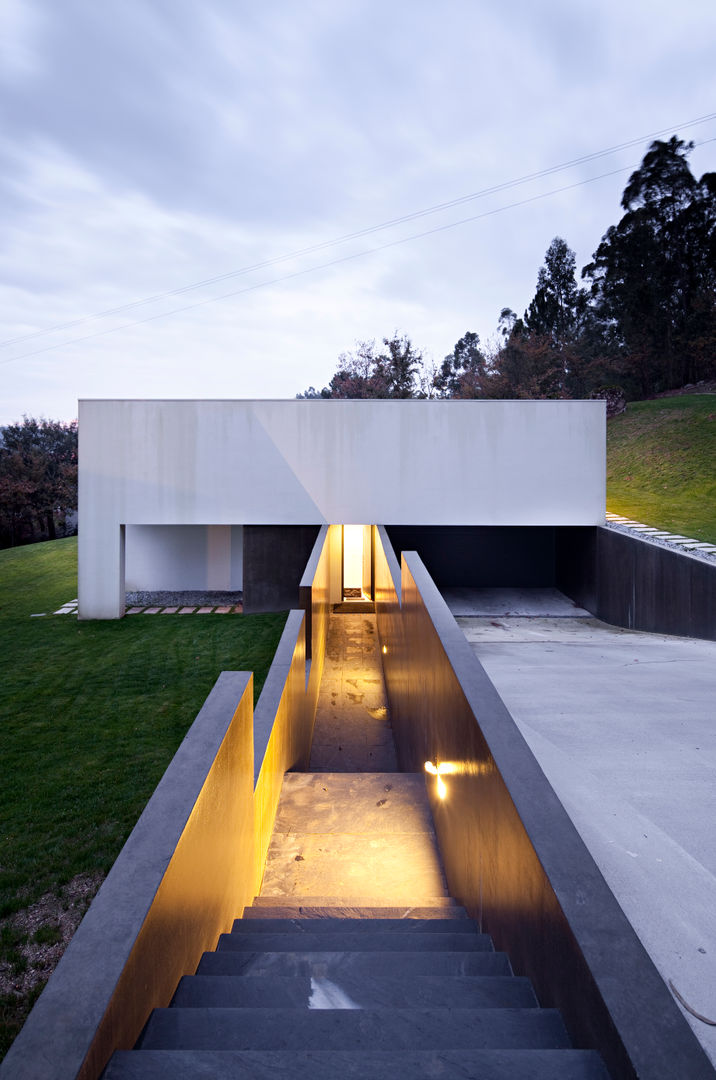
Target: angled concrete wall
305,463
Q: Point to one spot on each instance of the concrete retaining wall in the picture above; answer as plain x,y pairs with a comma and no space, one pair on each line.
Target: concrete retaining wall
510,851
630,582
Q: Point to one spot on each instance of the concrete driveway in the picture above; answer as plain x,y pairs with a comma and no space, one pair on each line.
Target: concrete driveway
624,726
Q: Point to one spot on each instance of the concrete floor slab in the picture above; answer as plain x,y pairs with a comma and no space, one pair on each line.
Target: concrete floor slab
624,726
511,602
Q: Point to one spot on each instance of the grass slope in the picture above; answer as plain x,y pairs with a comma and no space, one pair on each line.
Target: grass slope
90,716
661,464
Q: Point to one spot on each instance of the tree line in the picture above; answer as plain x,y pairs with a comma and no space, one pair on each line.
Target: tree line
38,481
641,320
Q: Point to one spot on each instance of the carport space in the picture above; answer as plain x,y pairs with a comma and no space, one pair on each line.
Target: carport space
624,727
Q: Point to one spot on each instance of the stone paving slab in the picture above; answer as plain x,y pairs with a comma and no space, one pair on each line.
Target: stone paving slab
343,834
352,732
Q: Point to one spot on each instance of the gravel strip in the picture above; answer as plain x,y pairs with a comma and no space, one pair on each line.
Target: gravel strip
672,545
189,598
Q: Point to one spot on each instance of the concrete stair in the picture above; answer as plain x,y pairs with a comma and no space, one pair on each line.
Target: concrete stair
308,988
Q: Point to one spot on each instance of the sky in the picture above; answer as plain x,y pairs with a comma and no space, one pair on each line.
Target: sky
181,181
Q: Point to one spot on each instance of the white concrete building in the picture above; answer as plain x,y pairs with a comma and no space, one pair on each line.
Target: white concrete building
228,495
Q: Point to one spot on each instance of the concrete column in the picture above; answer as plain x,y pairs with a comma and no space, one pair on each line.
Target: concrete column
100,579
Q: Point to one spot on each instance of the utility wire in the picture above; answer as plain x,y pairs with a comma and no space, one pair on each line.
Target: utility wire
313,269
357,234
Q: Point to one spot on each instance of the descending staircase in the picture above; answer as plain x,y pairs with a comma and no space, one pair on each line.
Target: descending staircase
313,989
354,962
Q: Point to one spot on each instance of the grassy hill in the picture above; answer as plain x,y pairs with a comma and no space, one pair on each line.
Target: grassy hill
90,716
661,464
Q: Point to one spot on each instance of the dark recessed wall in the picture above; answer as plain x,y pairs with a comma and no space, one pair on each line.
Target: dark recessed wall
629,582
481,556
275,557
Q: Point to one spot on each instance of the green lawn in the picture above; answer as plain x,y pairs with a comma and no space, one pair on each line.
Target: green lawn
661,464
90,716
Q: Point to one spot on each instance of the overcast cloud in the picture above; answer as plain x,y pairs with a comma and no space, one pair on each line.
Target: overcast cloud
147,145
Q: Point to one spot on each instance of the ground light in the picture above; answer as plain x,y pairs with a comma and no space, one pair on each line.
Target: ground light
443,768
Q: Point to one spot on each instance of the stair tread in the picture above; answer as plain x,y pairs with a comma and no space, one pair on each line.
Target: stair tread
347,911
350,940
321,1029
302,927
354,991
272,899
448,1064
320,963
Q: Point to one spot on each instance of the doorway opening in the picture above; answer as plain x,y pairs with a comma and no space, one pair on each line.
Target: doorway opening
357,564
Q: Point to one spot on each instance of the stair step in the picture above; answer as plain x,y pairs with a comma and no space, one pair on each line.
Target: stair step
447,1064
356,901
302,927
352,1029
367,940
329,964
292,911
354,991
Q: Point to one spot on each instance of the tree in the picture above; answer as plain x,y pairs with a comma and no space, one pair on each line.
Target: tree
38,478
463,371
555,307
653,276
393,373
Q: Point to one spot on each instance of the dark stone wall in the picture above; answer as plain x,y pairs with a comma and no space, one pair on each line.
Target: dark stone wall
275,558
481,556
629,582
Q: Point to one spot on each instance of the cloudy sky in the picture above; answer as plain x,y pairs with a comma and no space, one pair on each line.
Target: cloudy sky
179,177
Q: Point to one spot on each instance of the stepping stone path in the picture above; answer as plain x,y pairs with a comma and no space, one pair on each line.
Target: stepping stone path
70,608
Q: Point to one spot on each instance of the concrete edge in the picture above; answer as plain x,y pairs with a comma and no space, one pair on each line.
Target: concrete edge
314,558
645,1017
274,686
392,561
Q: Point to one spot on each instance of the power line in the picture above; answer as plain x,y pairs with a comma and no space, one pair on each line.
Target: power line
330,263
313,269
357,234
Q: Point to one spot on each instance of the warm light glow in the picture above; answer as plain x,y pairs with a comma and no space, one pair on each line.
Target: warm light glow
446,768
352,556
443,768
385,650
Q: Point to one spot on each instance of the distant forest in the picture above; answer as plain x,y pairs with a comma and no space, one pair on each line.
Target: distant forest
642,321
38,481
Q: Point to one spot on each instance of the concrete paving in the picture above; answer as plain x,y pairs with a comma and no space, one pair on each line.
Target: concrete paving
624,726
512,602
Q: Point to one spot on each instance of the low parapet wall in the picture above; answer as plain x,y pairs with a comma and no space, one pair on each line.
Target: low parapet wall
631,582
191,864
511,854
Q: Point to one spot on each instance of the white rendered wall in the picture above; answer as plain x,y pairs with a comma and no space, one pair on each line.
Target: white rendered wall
305,462
172,557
